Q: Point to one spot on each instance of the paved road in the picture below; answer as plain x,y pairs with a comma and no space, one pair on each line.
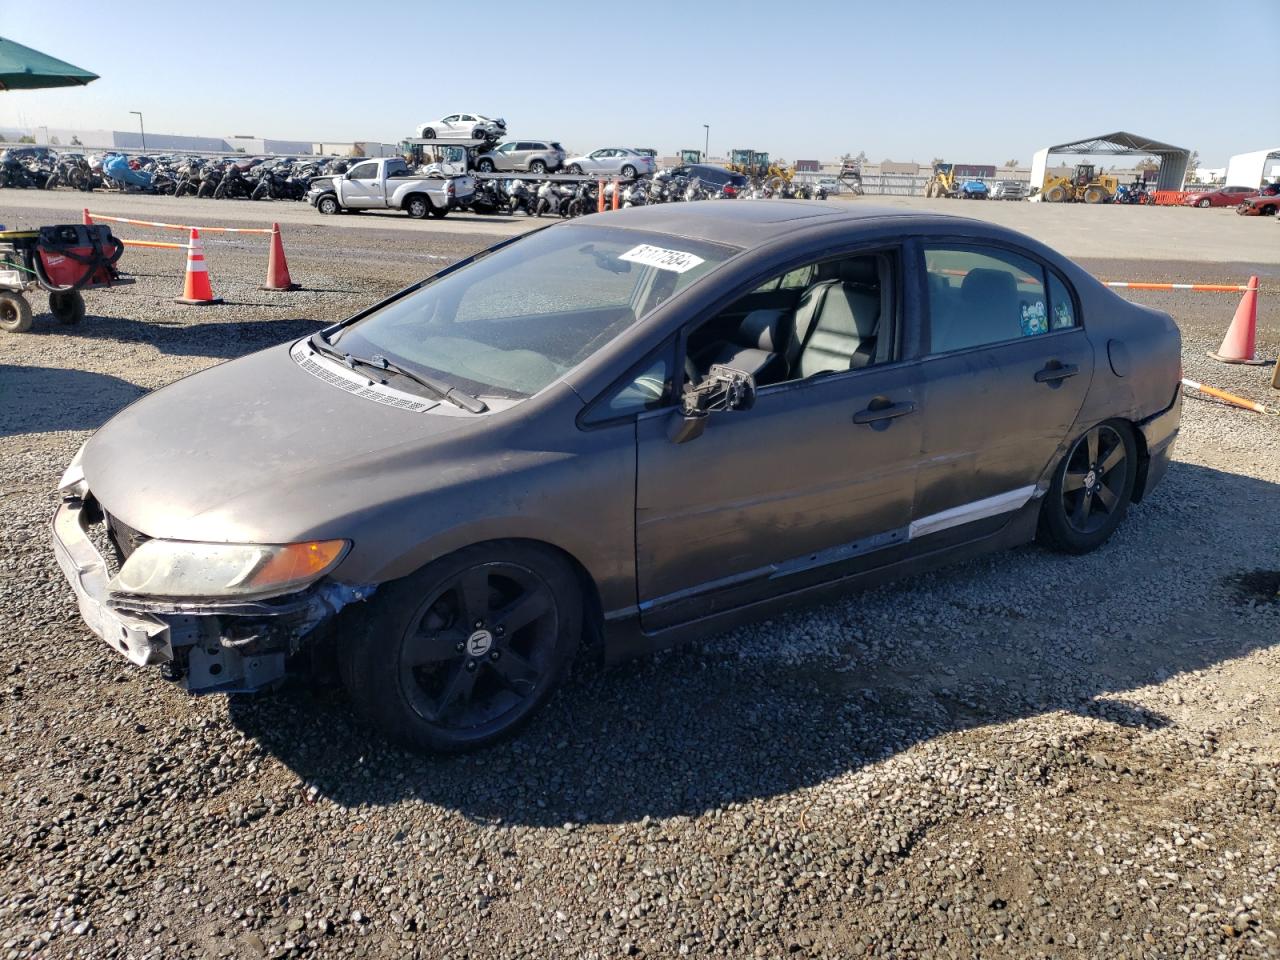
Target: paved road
1077,230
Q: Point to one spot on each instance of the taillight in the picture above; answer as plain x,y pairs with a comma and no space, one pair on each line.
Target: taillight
729,190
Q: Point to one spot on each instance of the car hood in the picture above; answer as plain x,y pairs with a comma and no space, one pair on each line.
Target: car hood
258,450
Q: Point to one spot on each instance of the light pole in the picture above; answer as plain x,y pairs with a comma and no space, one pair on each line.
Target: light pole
706,146
46,135
138,114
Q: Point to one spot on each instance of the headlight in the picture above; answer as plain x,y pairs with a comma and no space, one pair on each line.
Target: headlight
73,486
173,568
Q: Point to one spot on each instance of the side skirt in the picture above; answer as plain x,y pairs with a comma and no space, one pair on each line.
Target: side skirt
624,638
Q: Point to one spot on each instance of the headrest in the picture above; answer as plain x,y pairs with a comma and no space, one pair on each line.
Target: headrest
983,283
761,330
860,270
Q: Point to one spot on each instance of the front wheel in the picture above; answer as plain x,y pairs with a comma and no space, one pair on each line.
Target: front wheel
15,312
327,205
1091,489
1204,203
575,169
67,306
464,651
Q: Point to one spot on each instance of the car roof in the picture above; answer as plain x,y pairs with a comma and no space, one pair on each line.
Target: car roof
748,223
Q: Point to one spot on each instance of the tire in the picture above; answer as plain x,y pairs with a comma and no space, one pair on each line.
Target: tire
1057,194
575,169
439,212
1075,516
15,312
629,172
67,306
428,134
220,191
509,611
1095,195
1204,203
327,205
537,167
260,191
485,166
418,207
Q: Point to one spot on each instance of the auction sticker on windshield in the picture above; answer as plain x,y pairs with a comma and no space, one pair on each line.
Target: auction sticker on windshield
676,261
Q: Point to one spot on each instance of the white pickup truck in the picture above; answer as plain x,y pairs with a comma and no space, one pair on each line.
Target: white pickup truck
390,184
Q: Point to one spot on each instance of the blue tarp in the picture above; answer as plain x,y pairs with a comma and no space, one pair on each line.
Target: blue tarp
117,168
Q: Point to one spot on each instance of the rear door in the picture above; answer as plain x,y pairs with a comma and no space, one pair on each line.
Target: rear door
1006,371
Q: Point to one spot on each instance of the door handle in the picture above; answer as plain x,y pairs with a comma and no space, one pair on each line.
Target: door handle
1054,371
880,411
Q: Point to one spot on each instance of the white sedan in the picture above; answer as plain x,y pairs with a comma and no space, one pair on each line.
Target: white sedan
616,161
463,126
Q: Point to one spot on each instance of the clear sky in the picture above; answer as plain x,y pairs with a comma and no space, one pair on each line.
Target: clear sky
969,83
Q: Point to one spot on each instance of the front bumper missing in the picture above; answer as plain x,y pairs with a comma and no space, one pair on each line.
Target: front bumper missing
211,646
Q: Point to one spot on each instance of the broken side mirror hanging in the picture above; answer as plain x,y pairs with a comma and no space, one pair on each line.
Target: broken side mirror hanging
723,388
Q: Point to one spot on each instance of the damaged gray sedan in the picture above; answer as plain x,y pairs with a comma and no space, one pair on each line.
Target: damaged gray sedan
608,436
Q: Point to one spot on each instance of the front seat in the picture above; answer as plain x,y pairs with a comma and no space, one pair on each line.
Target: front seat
837,321
751,348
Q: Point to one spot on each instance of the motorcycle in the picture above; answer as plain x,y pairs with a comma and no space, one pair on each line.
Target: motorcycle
520,197
234,185
554,198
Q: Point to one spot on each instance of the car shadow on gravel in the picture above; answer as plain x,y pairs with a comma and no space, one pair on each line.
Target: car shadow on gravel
223,340
49,399
745,716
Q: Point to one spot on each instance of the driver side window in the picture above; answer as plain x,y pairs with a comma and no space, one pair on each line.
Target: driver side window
826,317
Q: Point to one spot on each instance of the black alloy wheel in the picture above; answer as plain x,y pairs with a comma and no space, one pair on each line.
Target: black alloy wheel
485,165
1091,489
463,652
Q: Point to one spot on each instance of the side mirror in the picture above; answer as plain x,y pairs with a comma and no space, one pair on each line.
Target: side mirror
723,388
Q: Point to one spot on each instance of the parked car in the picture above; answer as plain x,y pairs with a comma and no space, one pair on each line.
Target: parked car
1219,197
631,429
533,156
616,161
463,126
709,173
390,184
1009,190
1263,205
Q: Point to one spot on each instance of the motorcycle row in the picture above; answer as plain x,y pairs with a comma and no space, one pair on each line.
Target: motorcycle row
235,178
568,199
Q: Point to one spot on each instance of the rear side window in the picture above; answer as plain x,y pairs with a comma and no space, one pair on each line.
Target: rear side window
981,295
524,145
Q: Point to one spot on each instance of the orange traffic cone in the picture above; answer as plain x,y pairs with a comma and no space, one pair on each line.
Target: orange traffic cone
599,196
1239,345
616,192
87,218
277,267
196,289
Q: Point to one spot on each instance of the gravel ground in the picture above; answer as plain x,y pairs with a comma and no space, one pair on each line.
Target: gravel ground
1029,755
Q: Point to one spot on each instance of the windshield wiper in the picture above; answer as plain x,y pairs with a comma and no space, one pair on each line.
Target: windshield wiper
443,391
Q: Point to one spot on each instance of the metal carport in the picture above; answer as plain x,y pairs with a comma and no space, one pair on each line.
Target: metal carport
1249,169
1173,160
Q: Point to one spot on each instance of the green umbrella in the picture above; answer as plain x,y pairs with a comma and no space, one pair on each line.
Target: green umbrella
22,68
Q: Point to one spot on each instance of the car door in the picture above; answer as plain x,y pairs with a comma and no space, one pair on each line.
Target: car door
449,126
1006,371
816,479
362,187
506,157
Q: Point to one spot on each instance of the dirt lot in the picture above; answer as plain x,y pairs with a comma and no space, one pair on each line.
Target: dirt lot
1028,756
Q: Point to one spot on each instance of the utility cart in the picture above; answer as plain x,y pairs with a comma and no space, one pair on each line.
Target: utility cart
62,260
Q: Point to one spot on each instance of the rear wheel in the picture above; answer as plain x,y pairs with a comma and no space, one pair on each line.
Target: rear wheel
439,212
327,205
15,312
428,134
67,306
1091,489
464,651
537,167
1204,203
629,172
418,207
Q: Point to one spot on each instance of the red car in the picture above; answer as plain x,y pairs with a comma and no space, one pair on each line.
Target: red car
1221,197
1264,204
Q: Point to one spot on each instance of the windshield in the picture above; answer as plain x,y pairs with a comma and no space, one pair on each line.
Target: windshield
520,317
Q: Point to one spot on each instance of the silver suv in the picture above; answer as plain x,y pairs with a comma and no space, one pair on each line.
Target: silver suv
533,156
